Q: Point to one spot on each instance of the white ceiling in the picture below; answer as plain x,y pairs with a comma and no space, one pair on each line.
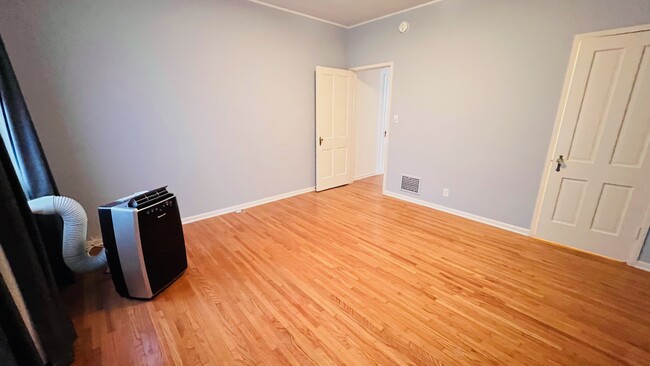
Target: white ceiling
346,13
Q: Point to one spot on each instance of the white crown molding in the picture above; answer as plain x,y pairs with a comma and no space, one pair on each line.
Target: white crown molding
395,13
337,24
223,211
297,13
484,220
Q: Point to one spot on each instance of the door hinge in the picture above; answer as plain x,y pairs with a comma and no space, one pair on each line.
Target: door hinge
385,133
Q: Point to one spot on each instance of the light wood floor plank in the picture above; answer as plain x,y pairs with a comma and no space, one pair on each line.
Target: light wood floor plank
348,276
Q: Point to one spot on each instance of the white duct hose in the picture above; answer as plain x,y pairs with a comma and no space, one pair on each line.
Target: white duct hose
75,224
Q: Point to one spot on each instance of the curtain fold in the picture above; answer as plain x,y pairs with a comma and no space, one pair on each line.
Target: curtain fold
34,171
16,344
22,238
23,248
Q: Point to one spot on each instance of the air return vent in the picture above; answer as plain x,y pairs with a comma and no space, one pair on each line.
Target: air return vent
410,184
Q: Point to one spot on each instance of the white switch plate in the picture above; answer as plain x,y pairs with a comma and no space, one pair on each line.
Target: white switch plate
445,192
395,118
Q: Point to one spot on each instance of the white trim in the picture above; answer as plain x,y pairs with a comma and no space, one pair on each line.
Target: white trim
395,13
481,219
368,175
223,211
638,28
380,65
298,13
641,265
276,7
615,31
385,116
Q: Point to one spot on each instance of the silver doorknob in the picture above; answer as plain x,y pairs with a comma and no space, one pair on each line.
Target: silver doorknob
559,162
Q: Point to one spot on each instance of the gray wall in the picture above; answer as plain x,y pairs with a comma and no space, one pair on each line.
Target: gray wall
214,98
476,87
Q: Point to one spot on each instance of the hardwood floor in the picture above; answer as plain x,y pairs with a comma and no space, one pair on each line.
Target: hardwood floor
348,276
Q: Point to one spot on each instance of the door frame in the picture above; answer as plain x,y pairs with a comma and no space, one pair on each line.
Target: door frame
385,112
636,249
390,65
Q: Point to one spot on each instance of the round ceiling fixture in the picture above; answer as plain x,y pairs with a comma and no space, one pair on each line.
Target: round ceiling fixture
404,27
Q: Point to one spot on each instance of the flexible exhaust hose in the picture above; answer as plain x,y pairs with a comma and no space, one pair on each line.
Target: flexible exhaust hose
75,224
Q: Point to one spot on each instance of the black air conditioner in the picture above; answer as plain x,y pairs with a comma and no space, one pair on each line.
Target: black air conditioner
143,238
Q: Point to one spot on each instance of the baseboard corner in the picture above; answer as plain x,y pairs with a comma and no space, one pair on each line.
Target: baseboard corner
641,265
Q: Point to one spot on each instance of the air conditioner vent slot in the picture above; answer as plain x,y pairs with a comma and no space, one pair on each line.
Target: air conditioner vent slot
149,198
410,184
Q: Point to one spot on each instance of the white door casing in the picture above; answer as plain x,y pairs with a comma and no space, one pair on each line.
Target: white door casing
598,199
334,127
385,112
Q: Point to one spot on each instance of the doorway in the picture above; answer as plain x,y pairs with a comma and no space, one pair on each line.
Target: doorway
379,79
371,121
352,129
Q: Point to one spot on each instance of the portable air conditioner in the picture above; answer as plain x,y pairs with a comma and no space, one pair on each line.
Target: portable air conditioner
143,238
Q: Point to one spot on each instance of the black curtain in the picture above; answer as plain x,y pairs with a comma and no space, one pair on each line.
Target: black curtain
16,344
21,242
35,174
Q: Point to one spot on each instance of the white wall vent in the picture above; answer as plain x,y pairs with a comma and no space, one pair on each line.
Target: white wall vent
410,184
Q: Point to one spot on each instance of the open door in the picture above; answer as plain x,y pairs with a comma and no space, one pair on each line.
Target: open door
334,127
597,188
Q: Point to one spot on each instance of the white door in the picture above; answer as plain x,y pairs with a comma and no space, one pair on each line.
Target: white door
596,202
334,127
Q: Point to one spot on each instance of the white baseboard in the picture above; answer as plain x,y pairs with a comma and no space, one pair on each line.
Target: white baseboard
641,265
367,175
223,211
485,220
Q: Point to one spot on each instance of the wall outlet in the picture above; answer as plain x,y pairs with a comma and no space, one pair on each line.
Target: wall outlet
445,192
395,118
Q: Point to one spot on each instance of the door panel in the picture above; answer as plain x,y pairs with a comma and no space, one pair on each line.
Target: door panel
611,208
634,136
596,100
334,127
341,160
597,200
569,201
